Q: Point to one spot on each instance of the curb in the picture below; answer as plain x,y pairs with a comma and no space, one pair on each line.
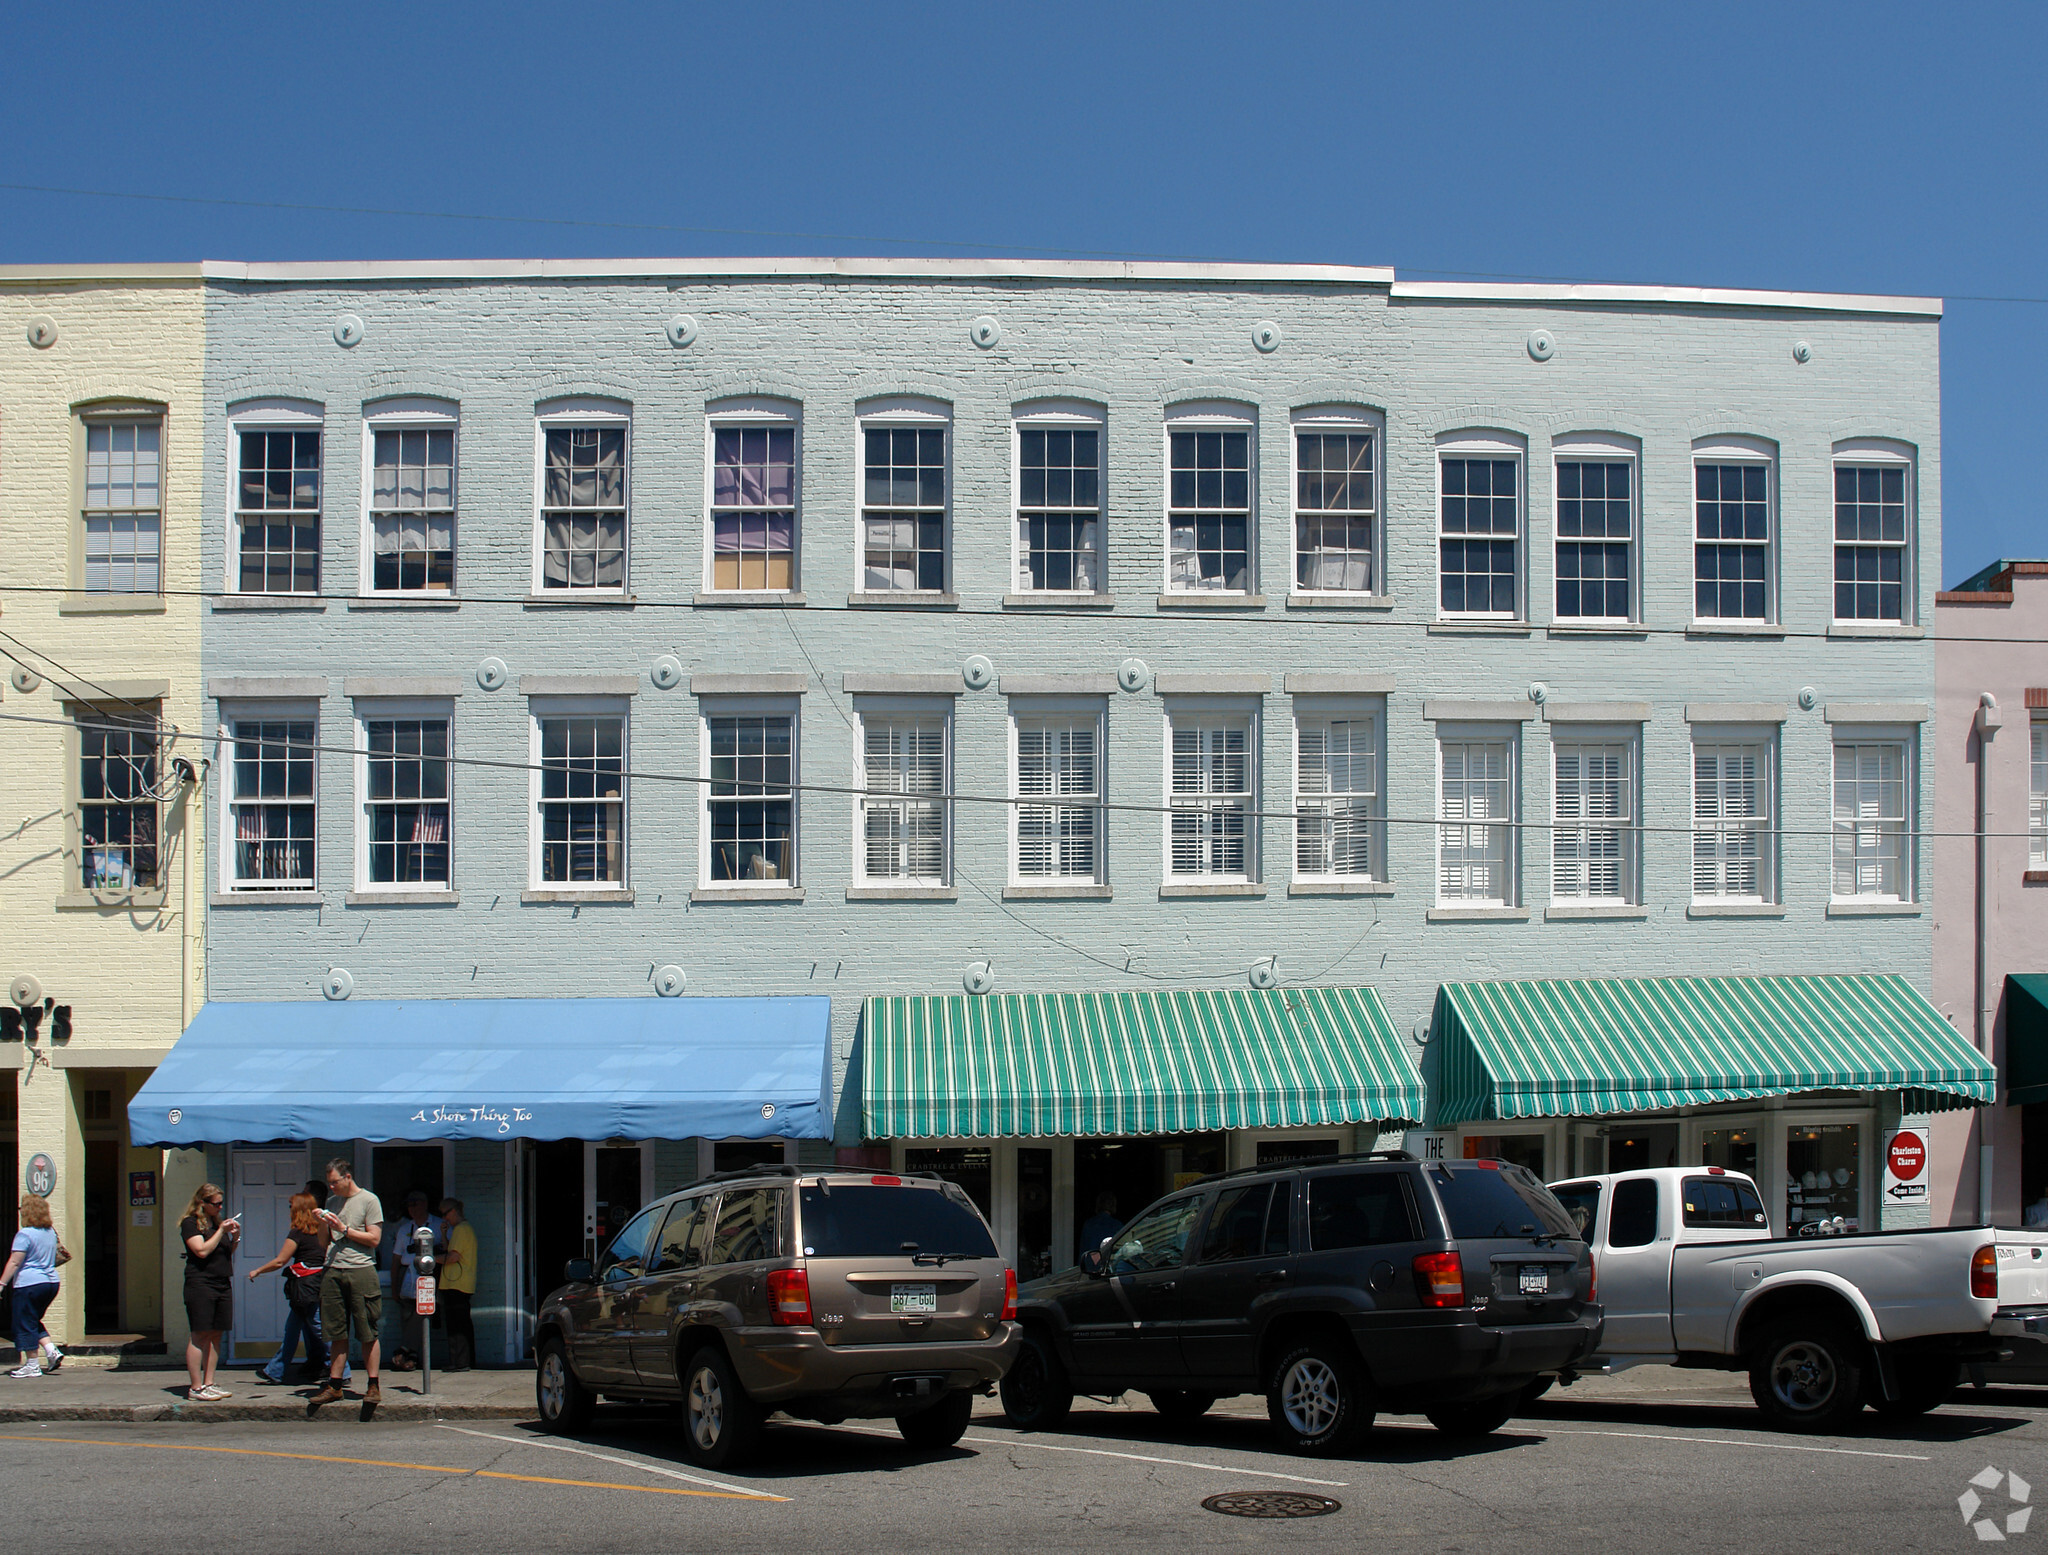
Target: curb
181,1413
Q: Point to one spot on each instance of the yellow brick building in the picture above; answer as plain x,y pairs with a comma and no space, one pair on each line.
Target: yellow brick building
102,776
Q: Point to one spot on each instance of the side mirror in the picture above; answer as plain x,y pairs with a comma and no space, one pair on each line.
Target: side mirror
576,1271
1095,1260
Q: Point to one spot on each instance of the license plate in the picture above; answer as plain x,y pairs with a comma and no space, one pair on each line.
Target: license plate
913,1298
1535,1280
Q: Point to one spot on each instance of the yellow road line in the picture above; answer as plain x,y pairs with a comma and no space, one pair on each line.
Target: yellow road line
385,1463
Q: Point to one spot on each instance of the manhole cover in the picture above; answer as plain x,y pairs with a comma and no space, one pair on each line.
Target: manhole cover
1271,1503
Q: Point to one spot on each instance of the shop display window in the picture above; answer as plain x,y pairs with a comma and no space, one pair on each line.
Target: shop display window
1034,1212
1522,1149
1635,1147
967,1166
1733,1148
1823,1173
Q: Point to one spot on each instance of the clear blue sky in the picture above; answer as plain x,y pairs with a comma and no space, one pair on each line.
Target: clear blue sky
1865,148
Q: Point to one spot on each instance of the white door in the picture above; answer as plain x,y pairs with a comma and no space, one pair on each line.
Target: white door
264,1182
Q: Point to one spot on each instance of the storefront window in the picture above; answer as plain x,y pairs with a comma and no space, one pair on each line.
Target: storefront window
966,1165
1733,1148
1034,1212
1523,1149
1279,1152
1823,1173
1635,1147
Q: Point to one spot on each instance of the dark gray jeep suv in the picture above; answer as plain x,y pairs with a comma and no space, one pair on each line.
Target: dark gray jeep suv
1335,1287
824,1293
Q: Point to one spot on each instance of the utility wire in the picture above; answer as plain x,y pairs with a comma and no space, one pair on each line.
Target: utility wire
76,678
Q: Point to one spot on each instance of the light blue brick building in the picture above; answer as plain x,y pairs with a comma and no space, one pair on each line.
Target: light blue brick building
1092,576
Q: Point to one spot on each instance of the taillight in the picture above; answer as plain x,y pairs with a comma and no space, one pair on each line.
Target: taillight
1717,1171
789,1297
1984,1272
1592,1282
886,1182
1009,1295
1440,1279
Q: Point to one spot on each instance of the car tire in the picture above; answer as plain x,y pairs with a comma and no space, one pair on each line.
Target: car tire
1923,1385
1037,1395
941,1425
1178,1406
1318,1398
720,1423
1481,1417
565,1403
1808,1376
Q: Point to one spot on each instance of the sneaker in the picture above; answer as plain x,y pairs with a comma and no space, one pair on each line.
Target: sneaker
265,1377
330,1392
27,1369
52,1356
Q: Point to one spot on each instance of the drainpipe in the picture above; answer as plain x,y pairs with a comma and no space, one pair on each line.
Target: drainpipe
1989,721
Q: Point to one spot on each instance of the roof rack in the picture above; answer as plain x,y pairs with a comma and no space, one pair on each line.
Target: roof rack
782,1169
1310,1160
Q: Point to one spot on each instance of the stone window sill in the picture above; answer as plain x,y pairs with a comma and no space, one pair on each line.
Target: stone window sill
581,599
1055,893
1050,600
611,898
2035,877
1341,888
1735,910
908,599
902,893
119,901
1891,629
1765,629
747,893
403,899
1340,602
111,605
1571,912
1219,888
1633,631
1477,915
1875,909
420,601
269,602
1212,601
266,899
1455,628
741,599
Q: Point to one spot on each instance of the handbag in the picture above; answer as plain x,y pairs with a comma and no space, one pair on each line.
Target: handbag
63,1253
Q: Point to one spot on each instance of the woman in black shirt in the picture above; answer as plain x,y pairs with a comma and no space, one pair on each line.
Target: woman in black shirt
209,1287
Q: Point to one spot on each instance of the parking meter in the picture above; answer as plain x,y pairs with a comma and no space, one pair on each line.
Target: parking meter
424,1300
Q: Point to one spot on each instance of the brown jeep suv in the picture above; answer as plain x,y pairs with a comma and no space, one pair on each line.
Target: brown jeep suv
820,1292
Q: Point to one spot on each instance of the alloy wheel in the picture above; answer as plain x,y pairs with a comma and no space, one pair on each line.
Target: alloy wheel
554,1385
1803,1376
1309,1396
707,1409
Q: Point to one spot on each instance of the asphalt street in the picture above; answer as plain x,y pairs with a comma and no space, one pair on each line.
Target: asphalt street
1580,1473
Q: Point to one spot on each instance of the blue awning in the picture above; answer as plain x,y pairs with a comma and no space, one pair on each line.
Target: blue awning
493,1069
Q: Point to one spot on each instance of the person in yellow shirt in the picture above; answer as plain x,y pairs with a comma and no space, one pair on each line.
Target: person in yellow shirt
458,1286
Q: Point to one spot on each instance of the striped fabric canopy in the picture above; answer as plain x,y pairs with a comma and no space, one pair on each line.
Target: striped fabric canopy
1637,1044
1132,1063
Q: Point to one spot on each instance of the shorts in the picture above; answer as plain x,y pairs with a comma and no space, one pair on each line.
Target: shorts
209,1307
346,1293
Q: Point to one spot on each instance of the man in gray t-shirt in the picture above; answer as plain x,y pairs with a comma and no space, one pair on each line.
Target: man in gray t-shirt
348,1290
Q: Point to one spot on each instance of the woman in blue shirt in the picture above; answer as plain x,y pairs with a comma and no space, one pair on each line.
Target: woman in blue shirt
32,1271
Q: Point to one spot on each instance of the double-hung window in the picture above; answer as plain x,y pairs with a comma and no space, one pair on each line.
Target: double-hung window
1732,532
118,807
1733,848
1476,815
123,515
2037,797
1337,825
1336,505
1596,531
1059,501
579,833
1479,526
412,498
272,798
751,797
905,486
1212,788
904,808
754,505
403,776
1873,797
1873,531
277,502
1058,784
1209,501
1593,836
583,499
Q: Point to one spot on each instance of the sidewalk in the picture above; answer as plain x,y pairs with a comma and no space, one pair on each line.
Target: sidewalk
81,1390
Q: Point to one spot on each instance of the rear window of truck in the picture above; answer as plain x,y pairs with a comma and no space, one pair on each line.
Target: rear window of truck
1721,1203
1491,1201
864,1220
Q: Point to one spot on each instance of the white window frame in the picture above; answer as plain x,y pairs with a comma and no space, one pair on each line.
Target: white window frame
1204,714
415,414
733,415
367,712
107,416
1906,739
906,411
539,708
1763,739
1482,443
1058,416
1598,448
1509,736
1211,416
1628,739
788,707
1067,710
580,413
890,709
1352,421
232,715
1884,452
1326,710
2037,792
272,415
1732,449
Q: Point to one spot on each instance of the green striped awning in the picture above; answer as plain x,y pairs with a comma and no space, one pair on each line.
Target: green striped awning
1132,1062
1594,1047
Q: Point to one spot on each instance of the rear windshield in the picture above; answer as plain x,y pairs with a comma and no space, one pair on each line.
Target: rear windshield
1581,1201
1723,1203
1486,1201
864,1221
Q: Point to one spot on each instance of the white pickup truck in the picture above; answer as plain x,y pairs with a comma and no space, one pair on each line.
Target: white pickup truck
1688,1274
2022,1321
